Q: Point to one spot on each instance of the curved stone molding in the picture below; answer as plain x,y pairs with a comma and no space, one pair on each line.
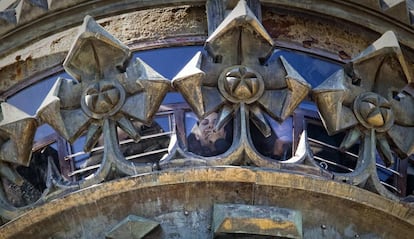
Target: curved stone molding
141,29
185,197
39,17
133,227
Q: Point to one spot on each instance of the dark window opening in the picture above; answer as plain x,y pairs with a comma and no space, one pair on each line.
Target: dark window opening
203,139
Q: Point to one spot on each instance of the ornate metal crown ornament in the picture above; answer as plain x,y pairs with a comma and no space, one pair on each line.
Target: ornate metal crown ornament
110,89
370,100
233,77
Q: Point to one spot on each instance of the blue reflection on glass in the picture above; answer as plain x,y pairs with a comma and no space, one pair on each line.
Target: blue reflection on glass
168,62
30,98
312,69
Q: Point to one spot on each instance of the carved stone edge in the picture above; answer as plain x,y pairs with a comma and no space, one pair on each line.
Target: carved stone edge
260,177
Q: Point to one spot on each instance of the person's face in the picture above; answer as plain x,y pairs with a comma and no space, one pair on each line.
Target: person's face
206,125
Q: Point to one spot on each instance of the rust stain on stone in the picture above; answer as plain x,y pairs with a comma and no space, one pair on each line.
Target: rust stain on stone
278,27
311,32
343,55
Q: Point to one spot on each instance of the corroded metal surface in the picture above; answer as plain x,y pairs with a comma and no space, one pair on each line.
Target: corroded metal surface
106,89
241,219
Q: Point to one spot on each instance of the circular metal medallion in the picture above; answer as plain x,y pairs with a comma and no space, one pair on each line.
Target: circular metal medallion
102,99
241,84
373,111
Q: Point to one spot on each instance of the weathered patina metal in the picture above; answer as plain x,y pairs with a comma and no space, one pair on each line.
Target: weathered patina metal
182,201
367,100
17,130
109,90
234,77
241,220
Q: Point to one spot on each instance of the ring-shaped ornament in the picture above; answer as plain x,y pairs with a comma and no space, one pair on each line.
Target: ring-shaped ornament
241,84
102,99
373,111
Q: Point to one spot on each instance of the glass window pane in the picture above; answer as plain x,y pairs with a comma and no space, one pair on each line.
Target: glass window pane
168,61
276,146
312,69
203,140
326,151
29,99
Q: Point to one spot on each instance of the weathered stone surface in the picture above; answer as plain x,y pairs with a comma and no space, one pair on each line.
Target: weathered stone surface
132,227
132,28
182,201
313,34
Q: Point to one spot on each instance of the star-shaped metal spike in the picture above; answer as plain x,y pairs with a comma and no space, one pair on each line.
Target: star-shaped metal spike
231,79
108,53
241,17
189,82
364,98
69,122
297,86
17,130
403,137
260,121
149,95
332,94
26,10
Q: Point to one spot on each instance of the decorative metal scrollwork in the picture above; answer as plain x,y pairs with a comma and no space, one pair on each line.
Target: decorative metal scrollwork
367,100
